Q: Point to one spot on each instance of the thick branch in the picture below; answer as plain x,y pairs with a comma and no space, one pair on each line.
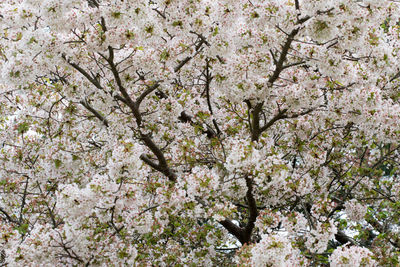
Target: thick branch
94,112
162,165
182,63
8,217
93,3
283,55
128,100
255,123
209,78
253,212
244,234
281,115
234,230
91,79
257,131
148,91
297,5
148,161
343,238
397,75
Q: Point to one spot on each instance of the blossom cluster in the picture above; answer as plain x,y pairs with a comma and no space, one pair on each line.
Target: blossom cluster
199,133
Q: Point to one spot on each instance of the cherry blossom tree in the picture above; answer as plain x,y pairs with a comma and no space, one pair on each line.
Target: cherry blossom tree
199,132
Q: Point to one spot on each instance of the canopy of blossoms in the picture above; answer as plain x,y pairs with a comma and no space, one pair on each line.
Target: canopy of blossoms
199,132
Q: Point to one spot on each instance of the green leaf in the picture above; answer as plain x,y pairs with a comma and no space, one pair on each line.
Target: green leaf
23,127
57,162
23,228
116,15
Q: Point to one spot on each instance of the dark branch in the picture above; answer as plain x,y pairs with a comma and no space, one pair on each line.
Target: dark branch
343,238
234,230
128,100
23,202
283,55
91,79
148,91
253,212
8,217
93,3
184,117
244,234
297,5
281,115
182,63
162,165
94,112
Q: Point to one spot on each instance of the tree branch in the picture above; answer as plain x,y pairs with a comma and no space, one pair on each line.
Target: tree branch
148,91
255,125
131,104
8,217
244,234
234,230
343,238
91,79
162,165
182,63
253,212
280,115
283,55
23,202
94,112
